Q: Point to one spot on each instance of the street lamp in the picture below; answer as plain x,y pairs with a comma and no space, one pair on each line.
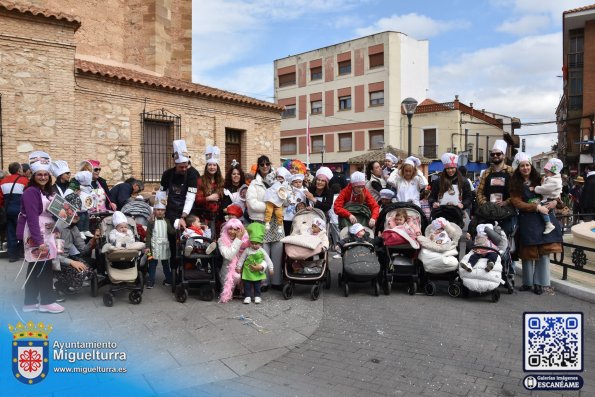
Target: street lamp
322,155
409,105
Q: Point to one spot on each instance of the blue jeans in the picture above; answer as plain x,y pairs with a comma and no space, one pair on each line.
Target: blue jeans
153,269
537,272
83,223
491,256
251,288
11,234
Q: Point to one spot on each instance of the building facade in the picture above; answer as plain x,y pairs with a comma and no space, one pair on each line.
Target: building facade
351,95
575,113
97,104
540,160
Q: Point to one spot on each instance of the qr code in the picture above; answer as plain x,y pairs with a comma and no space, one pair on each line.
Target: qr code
553,341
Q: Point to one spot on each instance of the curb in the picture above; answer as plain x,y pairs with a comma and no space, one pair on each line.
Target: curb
567,288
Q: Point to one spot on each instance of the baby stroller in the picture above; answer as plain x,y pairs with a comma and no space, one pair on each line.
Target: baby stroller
306,253
400,262
360,264
195,270
440,261
480,281
122,265
451,213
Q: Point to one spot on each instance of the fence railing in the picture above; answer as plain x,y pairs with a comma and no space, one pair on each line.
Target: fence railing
578,257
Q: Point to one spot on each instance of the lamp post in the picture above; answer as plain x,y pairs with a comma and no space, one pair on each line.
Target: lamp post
322,156
409,105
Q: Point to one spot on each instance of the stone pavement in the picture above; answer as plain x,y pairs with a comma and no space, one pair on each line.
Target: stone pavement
357,346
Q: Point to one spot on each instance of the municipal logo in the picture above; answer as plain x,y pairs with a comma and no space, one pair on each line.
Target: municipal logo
30,351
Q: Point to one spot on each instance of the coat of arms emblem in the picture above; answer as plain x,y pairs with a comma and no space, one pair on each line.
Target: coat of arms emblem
30,351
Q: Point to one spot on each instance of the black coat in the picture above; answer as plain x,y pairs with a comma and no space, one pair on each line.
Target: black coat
587,203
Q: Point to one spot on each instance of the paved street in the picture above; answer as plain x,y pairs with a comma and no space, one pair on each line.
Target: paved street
361,345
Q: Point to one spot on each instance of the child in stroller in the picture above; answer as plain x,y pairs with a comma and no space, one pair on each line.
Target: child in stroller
359,259
305,259
482,240
191,236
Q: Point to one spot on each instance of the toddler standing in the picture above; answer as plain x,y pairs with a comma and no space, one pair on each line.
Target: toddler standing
253,263
159,231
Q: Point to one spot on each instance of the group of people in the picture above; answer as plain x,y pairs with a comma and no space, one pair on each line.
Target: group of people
250,214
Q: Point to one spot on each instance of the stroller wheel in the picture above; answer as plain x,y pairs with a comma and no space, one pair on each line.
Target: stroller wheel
288,291
386,286
315,292
412,290
135,297
181,294
327,279
340,280
430,288
495,296
376,288
346,289
94,285
454,290
108,300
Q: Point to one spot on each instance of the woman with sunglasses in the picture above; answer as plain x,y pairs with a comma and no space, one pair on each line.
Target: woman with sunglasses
450,194
36,229
256,207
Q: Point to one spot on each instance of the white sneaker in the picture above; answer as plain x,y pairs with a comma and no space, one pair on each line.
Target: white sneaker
257,300
247,300
188,250
51,308
337,256
549,227
88,234
211,248
83,236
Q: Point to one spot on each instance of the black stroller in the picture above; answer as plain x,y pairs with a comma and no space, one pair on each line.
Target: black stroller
196,269
399,262
360,264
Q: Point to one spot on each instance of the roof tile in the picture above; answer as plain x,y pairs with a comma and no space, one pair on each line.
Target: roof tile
38,11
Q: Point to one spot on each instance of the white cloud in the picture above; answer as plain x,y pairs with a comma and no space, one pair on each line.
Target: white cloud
345,21
527,24
516,79
255,81
414,25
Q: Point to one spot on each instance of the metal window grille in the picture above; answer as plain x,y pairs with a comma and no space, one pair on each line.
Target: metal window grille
159,129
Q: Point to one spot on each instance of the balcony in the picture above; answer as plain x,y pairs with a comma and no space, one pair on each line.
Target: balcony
428,151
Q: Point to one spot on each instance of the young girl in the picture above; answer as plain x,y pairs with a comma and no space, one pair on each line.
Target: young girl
159,231
254,263
232,243
424,203
408,180
401,230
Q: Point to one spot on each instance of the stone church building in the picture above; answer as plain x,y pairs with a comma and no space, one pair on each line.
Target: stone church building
111,80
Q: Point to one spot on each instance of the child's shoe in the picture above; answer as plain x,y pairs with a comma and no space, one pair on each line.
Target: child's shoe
51,308
188,250
149,286
257,300
549,227
247,300
267,226
211,248
466,267
31,308
489,266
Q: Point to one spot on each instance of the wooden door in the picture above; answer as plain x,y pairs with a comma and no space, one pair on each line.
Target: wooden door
233,146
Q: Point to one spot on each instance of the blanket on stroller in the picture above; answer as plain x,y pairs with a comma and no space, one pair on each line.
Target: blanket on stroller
440,258
478,279
303,240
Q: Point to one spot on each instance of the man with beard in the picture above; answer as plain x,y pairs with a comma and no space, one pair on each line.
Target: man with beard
494,188
181,183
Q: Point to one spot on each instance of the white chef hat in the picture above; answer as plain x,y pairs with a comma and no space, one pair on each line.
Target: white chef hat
355,228
160,200
118,217
284,173
59,167
554,166
499,146
212,154
449,160
412,160
181,152
297,177
519,158
84,177
39,161
391,157
358,178
324,173
386,194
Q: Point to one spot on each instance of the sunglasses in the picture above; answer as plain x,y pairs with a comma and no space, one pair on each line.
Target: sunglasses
495,154
264,164
96,169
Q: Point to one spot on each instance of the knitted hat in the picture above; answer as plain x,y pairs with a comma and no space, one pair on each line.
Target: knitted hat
519,158
386,194
449,160
256,232
92,163
118,218
358,179
324,173
437,224
84,177
59,167
391,157
482,227
355,228
160,200
235,210
212,154
499,146
320,223
180,152
554,166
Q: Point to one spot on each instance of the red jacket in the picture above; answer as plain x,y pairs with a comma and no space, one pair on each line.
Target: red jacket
19,188
345,196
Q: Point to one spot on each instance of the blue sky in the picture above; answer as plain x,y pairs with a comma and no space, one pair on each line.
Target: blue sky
504,56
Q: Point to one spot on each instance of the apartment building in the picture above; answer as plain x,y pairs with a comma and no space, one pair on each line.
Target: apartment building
575,112
350,95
